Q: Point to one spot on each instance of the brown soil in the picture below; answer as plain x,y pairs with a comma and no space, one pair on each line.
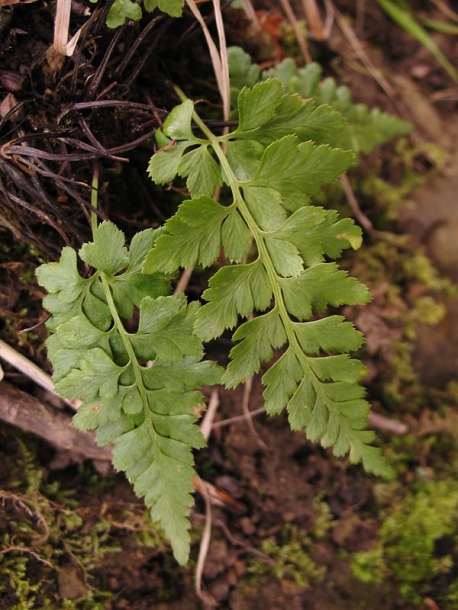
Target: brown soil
281,491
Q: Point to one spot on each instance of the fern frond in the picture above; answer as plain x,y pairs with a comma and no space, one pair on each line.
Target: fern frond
287,276
365,128
146,411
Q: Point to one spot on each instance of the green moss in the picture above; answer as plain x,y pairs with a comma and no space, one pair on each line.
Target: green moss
427,311
323,519
389,197
399,387
14,574
418,267
382,260
408,291
290,555
407,548
48,523
369,566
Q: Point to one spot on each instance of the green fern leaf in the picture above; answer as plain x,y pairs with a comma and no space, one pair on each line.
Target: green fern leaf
329,334
160,469
243,72
285,115
107,252
369,128
366,128
194,237
234,291
96,378
177,125
316,233
363,129
166,327
174,8
258,338
285,257
244,157
265,204
235,236
122,10
62,279
147,412
281,381
257,106
297,172
163,166
202,171
319,286
304,120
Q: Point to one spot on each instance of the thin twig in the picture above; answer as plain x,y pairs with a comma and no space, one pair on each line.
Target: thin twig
33,327
11,149
134,47
380,422
314,21
442,6
247,388
97,77
359,215
207,422
52,425
100,104
42,215
35,191
240,543
97,145
183,282
251,14
204,547
64,183
31,370
376,74
237,418
214,53
296,29
20,501
24,549
225,93
360,5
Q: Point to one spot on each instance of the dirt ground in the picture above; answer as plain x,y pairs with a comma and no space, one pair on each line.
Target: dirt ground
292,526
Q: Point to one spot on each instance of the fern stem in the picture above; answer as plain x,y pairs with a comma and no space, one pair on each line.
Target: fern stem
124,338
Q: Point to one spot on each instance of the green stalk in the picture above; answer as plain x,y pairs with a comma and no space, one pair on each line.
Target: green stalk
125,339
94,197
